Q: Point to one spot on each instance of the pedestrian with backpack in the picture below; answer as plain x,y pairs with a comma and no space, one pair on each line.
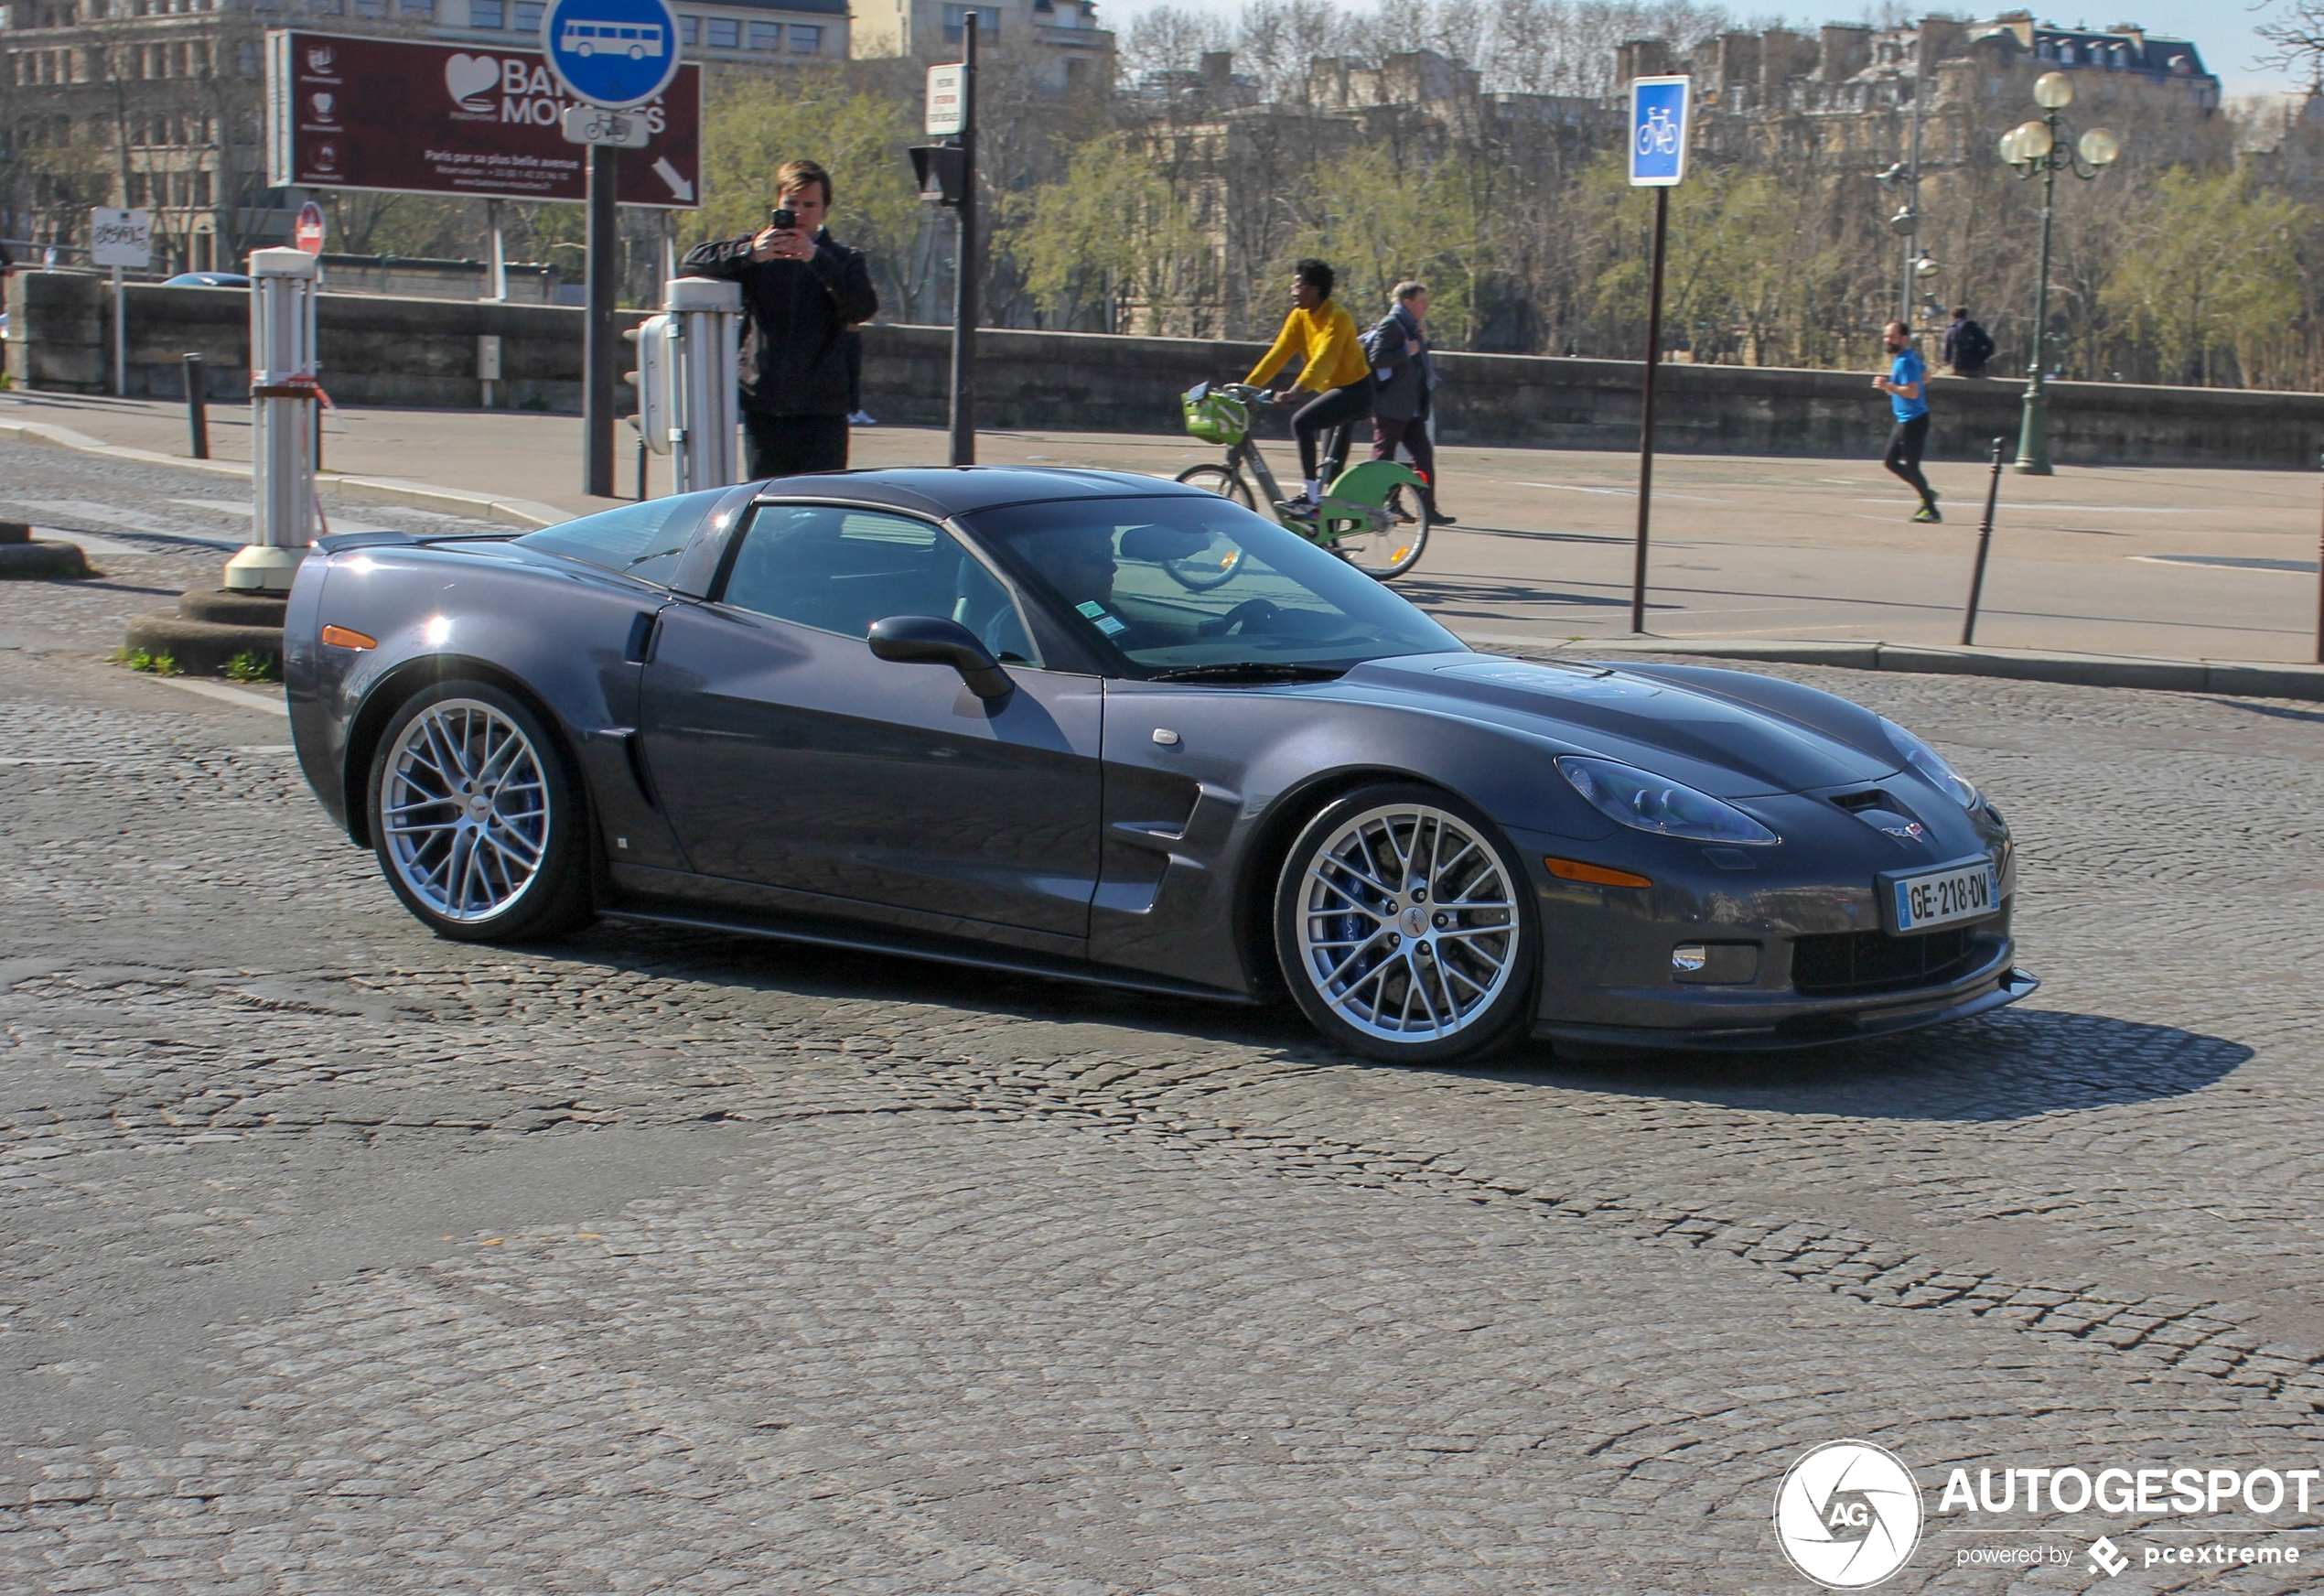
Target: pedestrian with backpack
1404,375
1967,346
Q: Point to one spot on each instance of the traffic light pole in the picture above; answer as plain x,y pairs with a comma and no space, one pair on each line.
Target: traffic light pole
964,270
599,346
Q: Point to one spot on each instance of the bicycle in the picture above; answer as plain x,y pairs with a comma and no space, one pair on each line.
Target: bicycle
1353,520
1659,135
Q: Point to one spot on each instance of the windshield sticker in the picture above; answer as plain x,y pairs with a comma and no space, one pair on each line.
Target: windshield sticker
1099,618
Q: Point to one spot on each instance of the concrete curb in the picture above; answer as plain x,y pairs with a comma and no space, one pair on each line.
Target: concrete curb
525,513
2238,678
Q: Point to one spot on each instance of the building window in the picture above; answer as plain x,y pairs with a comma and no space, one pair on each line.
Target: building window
988,22
327,7
690,30
528,16
416,8
371,7
806,40
487,14
726,33
766,36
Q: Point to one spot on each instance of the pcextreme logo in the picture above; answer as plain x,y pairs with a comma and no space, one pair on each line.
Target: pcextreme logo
1847,1514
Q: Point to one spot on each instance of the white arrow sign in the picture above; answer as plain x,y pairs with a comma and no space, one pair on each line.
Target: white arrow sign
669,173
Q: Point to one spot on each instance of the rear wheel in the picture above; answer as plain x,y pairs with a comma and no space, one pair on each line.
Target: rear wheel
1403,926
1390,552
478,826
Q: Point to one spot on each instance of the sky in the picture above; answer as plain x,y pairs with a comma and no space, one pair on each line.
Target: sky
2222,29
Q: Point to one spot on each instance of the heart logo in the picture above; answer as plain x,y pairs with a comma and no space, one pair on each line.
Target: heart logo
467,76
322,105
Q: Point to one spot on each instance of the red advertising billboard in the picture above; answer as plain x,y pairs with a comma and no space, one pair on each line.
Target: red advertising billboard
411,117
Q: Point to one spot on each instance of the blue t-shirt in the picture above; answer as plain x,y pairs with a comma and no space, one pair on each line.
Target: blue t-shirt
1908,370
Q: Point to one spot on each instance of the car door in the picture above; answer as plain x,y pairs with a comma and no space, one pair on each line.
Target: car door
790,757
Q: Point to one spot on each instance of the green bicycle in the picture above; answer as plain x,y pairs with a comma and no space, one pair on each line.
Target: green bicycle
1354,521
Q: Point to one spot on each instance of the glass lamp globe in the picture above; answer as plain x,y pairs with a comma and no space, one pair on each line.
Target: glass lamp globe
2099,147
2053,91
2033,141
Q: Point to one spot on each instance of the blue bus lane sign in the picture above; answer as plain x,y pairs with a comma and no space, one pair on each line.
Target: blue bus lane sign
611,53
1659,108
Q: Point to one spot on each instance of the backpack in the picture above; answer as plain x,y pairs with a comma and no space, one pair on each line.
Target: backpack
1974,347
1381,332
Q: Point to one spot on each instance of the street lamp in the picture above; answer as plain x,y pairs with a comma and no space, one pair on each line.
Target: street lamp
2037,147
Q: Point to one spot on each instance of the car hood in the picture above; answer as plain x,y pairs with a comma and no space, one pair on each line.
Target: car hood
1724,748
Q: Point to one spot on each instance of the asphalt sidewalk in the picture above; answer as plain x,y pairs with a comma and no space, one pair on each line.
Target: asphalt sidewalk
2199,580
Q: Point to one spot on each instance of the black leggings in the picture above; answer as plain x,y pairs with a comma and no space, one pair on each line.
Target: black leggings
1326,410
1903,457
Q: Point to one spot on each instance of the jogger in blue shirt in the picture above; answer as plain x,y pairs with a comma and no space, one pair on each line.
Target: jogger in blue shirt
1907,386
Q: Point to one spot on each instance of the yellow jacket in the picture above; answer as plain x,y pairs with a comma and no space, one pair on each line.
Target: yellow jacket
1325,338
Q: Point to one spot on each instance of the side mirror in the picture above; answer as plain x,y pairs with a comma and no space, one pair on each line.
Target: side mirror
930,640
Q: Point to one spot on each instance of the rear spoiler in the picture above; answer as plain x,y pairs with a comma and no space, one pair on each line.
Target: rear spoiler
387,536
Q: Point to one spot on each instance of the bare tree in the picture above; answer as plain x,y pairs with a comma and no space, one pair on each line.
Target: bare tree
2296,42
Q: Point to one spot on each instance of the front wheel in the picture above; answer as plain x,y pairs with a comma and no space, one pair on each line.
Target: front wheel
478,826
1390,552
1403,926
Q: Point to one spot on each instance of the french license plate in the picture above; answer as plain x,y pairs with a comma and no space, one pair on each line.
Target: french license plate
1941,897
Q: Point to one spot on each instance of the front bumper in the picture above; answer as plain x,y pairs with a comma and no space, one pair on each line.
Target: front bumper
1819,1025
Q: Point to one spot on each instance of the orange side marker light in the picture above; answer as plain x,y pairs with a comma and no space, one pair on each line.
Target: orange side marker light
346,638
1596,875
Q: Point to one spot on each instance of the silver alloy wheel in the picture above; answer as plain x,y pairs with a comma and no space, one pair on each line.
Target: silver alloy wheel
464,809
1408,926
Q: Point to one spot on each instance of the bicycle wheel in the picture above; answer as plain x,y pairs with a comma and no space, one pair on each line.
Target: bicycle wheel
1218,479
1199,573
1389,553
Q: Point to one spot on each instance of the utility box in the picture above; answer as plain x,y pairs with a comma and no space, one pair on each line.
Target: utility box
487,365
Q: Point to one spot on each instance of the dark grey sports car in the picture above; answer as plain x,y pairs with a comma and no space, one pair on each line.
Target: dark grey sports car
1100,726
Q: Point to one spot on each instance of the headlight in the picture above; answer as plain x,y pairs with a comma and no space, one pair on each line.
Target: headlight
1645,802
1931,764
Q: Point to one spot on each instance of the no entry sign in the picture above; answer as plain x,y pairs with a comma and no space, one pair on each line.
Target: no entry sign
417,118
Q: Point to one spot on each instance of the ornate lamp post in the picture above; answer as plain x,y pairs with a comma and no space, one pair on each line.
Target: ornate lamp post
2046,147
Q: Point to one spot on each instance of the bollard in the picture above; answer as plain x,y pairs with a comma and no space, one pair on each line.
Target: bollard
197,409
1985,545
2319,597
285,403
704,373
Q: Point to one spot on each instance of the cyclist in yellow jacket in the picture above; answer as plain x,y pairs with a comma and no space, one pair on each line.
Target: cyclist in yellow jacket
1335,378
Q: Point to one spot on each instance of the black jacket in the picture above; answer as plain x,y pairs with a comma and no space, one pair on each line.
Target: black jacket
1968,347
794,358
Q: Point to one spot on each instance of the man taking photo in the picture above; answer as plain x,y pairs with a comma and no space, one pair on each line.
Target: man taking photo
801,290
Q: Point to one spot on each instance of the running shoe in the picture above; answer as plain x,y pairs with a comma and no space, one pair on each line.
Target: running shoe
1927,515
861,418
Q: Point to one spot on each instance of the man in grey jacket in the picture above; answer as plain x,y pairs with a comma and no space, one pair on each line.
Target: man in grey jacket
1407,377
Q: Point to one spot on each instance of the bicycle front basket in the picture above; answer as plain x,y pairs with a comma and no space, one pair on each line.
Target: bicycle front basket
1214,417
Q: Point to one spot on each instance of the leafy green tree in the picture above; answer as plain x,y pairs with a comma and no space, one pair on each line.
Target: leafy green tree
1111,238
2209,277
1380,215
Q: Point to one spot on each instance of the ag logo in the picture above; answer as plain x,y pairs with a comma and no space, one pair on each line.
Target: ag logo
1847,1514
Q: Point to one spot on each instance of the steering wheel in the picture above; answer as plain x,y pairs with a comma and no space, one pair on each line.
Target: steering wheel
1250,615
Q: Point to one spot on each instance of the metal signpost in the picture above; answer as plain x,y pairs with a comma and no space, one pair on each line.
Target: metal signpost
689,381
1659,130
118,239
611,54
952,114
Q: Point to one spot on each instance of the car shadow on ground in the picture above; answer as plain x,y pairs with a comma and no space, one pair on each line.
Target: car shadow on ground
2013,1064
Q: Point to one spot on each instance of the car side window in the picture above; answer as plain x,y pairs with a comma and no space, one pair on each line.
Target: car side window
642,540
839,569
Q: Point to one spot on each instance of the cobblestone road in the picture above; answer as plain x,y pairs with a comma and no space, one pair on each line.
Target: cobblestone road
339,1258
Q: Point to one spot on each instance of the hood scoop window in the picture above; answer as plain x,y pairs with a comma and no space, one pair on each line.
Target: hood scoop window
1856,803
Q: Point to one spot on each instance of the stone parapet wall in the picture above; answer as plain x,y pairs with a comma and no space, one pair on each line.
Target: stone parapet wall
421,353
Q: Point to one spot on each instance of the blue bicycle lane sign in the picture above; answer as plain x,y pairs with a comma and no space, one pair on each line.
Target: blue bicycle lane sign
614,53
1659,108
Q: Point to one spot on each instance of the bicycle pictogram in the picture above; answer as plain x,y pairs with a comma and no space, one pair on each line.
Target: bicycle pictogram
1657,135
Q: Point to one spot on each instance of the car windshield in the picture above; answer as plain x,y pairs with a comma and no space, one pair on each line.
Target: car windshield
1192,585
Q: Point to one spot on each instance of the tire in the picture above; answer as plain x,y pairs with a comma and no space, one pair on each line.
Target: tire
1457,978
506,862
1389,553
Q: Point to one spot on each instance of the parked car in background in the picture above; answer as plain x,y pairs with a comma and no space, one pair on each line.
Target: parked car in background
207,280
